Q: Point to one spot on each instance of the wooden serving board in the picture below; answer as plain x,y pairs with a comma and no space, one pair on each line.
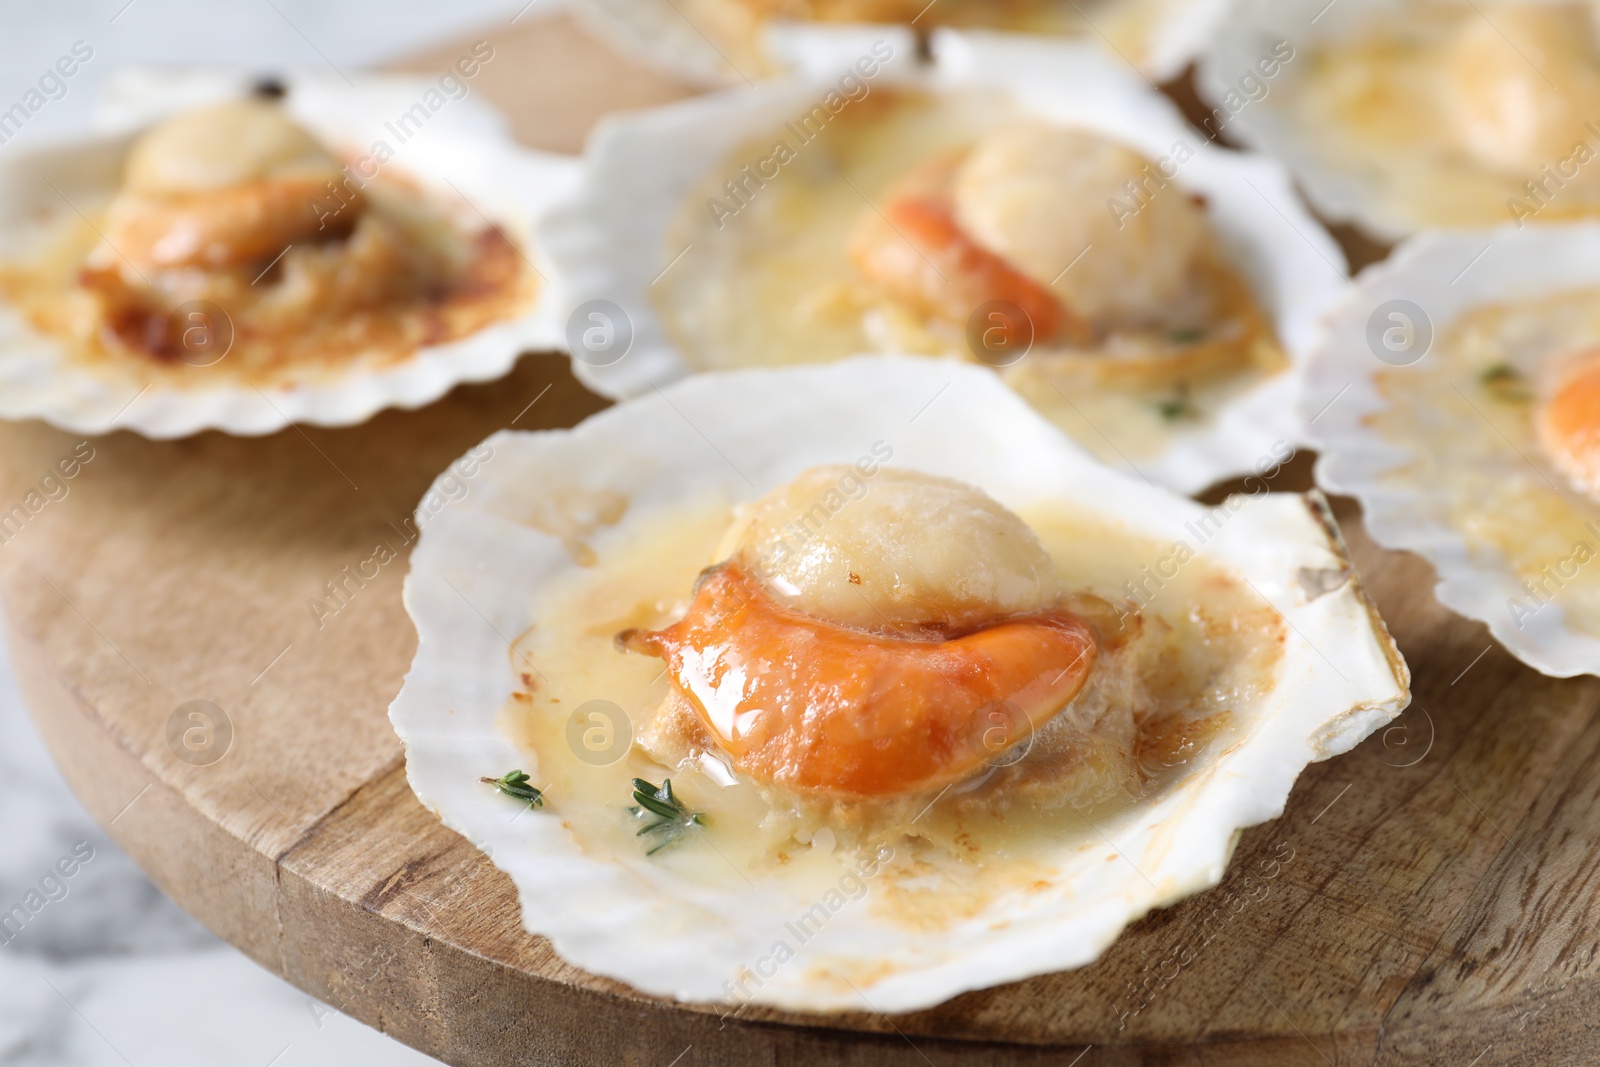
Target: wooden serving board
1428,898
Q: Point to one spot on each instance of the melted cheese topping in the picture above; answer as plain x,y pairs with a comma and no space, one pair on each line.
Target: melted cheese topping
1163,695
768,278
1466,416
1450,110
227,241
1127,27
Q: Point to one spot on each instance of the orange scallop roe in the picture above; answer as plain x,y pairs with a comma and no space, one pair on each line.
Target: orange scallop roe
245,223
925,259
1568,422
821,708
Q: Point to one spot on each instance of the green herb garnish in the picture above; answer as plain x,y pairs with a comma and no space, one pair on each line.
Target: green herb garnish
516,785
1178,406
1506,383
661,812
1186,335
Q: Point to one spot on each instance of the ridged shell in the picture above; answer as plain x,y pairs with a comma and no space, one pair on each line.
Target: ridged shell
661,33
1341,190
476,577
1444,275
611,241
465,151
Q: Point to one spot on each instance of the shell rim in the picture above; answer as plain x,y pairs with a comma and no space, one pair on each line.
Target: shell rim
1384,696
78,398
636,29
1353,459
591,242
1264,126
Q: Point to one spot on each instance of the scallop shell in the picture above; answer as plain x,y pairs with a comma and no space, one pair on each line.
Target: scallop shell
1444,274
464,153
475,575
662,34
1339,193
1268,127
610,241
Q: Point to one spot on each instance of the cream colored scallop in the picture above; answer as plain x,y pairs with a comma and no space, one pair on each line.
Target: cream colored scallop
226,144
1521,81
1040,195
900,550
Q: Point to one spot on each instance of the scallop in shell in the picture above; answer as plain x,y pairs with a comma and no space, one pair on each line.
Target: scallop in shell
1407,116
215,258
1453,397
717,42
1157,312
1010,824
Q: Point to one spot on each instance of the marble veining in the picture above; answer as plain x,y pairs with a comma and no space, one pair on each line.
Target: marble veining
105,971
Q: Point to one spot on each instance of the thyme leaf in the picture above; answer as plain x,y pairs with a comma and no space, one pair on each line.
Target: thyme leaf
1186,335
661,813
1506,383
1178,406
516,785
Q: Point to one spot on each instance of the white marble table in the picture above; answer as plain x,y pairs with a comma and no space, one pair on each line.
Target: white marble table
109,972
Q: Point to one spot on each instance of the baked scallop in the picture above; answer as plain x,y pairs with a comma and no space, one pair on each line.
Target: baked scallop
237,260
860,684
1457,395
1429,114
718,42
1033,208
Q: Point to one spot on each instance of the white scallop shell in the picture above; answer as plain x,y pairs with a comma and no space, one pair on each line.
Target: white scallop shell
610,241
464,153
1445,274
476,575
662,34
1253,29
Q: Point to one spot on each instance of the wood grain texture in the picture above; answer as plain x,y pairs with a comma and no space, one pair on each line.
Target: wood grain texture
1429,897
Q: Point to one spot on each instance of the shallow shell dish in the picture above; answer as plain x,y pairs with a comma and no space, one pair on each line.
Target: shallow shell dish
636,497
457,158
636,239
717,42
1424,401
1403,116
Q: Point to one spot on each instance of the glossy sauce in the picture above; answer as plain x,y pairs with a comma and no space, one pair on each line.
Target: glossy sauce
1476,465
773,283
825,709
1127,26
1373,99
1164,697
417,278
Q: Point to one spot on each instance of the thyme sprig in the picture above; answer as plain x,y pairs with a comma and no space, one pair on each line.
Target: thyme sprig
662,813
516,785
